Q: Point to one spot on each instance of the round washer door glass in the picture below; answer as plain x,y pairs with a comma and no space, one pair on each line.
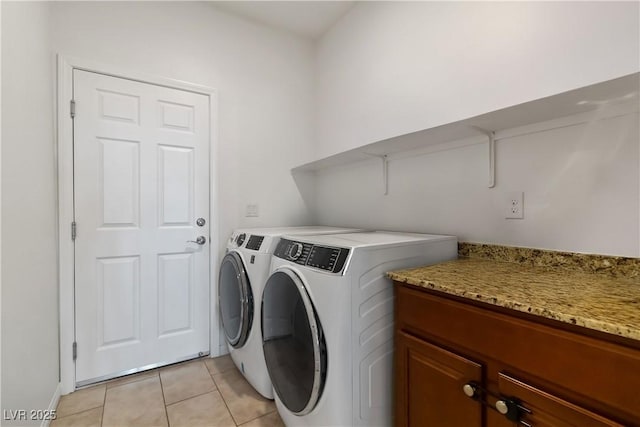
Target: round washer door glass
293,342
235,299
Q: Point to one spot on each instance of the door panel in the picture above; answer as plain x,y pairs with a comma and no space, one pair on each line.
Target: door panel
176,292
175,185
119,182
141,178
118,308
432,379
176,116
119,106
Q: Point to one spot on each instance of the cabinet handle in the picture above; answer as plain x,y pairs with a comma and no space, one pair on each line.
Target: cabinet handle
509,407
513,410
502,407
469,389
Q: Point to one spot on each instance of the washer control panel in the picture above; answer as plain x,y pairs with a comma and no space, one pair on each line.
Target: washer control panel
254,242
324,258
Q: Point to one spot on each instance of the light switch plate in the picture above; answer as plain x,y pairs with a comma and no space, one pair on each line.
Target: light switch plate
252,210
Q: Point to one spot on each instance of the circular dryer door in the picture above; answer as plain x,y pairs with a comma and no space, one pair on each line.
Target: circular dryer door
235,299
293,342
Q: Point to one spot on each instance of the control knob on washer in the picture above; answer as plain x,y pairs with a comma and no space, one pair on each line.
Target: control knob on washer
295,250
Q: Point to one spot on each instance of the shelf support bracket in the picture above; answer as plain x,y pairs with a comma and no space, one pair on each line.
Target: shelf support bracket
385,170
492,154
492,159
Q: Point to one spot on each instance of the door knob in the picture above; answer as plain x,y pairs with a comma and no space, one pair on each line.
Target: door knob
201,240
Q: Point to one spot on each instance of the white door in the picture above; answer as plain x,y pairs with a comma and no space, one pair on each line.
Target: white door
141,180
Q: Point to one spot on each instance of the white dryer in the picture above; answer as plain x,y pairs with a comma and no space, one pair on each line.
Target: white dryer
327,323
243,272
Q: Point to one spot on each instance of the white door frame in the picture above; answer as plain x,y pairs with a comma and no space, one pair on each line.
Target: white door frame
65,68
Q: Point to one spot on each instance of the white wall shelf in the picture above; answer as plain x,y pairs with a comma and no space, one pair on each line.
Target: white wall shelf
612,96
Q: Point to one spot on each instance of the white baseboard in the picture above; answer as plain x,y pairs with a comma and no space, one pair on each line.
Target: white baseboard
222,350
53,404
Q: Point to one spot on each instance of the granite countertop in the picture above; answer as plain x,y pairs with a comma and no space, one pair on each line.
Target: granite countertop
597,301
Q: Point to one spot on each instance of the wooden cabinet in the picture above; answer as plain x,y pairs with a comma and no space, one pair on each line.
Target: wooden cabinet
547,410
429,382
543,374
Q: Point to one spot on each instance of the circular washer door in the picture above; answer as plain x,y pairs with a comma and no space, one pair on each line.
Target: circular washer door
235,299
293,342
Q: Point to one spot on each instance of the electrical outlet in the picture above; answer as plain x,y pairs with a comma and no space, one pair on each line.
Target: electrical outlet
252,210
514,205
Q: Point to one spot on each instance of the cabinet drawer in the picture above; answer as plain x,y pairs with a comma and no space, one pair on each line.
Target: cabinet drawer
548,410
603,374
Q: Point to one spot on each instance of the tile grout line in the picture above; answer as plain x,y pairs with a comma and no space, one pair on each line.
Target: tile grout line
145,375
195,395
221,395
164,401
225,402
191,397
77,413
157,374
142,378
81,410
259,416
104,402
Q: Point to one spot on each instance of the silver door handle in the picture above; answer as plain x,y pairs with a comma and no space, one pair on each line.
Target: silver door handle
201,240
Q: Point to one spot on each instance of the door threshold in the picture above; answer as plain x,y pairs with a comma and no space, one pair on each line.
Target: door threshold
94,381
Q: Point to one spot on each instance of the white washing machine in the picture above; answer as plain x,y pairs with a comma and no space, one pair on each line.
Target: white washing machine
327,323
243,272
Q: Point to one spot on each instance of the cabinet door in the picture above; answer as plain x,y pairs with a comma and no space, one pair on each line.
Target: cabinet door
429,382
548,410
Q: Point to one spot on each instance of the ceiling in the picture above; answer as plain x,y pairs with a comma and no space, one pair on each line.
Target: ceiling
308,19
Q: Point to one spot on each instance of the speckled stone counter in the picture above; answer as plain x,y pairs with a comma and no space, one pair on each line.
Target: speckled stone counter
607,302
614,266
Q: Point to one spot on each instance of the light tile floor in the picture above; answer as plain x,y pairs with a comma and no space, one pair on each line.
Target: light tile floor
202,392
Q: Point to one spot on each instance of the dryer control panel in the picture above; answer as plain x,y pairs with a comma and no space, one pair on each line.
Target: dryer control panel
325,258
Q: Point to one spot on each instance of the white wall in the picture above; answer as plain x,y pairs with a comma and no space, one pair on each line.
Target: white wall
264,80
580,183
29,241
389,68
384,70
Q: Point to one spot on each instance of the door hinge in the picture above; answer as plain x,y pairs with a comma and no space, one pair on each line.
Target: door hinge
74,230
74,349
72,108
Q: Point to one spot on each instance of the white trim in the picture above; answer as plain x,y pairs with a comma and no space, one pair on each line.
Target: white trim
65,216
109,70
65,199
53,405
214,230
1,216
